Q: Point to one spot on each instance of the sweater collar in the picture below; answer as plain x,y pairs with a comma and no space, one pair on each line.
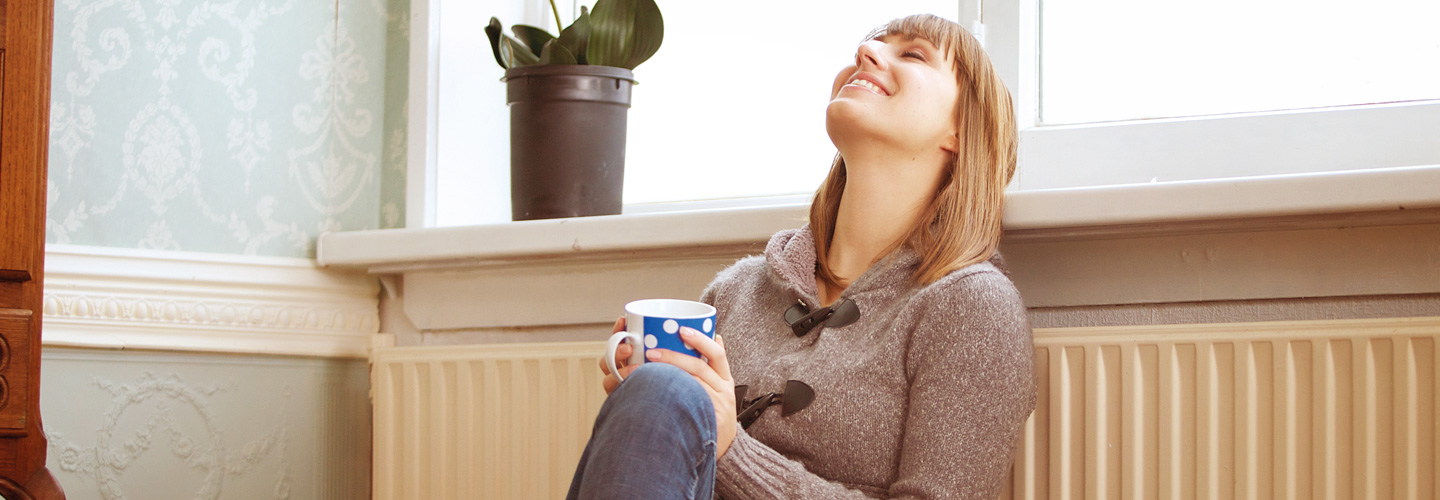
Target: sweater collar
791,255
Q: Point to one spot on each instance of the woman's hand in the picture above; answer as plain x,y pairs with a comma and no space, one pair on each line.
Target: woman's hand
622,357
714,377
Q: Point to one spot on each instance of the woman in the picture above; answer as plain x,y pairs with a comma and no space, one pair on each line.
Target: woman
922,381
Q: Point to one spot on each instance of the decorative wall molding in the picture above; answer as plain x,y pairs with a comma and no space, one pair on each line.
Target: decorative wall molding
117,298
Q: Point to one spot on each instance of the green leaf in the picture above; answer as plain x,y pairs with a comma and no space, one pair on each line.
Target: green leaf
515,54
533,37
577,36
555,53
624,33
494,31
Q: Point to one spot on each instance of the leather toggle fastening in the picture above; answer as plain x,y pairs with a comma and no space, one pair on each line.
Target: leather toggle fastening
802,320
796,396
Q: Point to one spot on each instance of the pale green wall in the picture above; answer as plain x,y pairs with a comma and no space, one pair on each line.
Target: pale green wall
150,426
243,127
239,127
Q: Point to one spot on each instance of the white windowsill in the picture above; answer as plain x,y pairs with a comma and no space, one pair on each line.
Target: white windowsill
396,250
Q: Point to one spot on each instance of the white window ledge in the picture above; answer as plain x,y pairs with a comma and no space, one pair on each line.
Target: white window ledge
1341,234
1138,208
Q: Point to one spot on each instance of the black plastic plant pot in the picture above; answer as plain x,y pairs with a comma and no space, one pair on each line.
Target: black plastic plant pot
567,139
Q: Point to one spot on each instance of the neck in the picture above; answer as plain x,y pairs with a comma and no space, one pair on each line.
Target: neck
883,199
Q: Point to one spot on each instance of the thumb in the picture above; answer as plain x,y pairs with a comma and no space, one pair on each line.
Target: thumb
720,340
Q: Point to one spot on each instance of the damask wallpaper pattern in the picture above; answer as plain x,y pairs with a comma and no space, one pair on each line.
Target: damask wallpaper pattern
206,426
225,126
242,126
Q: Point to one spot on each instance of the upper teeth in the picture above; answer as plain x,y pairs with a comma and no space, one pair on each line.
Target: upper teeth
866,83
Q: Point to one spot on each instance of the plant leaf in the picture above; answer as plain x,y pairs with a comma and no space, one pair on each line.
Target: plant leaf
555,53
624,33
494,30
515,54
577,36
533,37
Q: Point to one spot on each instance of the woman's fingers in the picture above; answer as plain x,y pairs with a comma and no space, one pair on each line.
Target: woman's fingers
691,364
622,357
610,383
710,349
622,353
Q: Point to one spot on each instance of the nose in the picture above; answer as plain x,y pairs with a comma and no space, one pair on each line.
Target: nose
869,55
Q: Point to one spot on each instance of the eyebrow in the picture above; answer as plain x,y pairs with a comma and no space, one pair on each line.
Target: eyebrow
928,46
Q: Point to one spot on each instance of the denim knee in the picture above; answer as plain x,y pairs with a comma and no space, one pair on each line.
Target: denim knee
668,383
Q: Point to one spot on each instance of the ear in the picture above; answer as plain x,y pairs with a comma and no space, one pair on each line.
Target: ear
951,143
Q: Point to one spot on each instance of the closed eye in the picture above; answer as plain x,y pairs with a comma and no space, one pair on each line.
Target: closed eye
915,54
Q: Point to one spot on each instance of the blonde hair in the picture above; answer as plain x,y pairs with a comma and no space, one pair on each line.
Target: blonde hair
962,222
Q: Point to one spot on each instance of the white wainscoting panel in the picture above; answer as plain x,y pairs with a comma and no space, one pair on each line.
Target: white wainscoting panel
133,425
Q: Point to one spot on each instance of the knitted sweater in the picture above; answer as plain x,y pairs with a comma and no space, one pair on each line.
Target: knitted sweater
923,397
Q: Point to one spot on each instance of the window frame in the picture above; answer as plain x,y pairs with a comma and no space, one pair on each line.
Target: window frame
1352,137
1300,141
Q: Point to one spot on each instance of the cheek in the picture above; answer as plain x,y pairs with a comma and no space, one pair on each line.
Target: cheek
840,80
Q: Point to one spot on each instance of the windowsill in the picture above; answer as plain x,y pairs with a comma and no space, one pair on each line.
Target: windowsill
1136,208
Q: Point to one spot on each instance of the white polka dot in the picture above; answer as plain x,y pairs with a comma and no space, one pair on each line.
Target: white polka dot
671,326
650,341
708,325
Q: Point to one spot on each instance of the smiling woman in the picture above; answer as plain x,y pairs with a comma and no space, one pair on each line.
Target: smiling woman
900,321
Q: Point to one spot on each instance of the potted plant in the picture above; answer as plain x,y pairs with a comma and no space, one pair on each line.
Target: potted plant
569,96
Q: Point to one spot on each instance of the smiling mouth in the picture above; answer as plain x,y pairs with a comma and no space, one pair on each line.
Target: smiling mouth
867,85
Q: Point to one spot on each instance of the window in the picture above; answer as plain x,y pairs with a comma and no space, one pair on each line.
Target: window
1126,91
732,106
1107,92
1111,60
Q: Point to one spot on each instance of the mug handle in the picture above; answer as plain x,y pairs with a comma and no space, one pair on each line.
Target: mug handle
613,344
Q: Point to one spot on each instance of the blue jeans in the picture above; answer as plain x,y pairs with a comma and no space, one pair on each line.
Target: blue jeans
654,438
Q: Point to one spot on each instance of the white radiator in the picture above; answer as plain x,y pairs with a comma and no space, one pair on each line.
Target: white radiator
1283,410
504,421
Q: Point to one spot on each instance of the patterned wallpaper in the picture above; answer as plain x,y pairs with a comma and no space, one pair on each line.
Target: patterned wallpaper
242,126
147,426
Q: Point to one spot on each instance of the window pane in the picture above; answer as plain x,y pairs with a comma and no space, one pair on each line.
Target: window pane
733,105
1104,60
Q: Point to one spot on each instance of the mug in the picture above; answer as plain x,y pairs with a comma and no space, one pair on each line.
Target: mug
655,324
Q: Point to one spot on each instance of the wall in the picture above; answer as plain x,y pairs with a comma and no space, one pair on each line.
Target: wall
165,425
238,128
244,127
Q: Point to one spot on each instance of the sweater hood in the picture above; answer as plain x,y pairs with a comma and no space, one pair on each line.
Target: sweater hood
791,256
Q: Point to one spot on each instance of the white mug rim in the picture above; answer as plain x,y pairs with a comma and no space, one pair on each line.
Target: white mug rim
634,307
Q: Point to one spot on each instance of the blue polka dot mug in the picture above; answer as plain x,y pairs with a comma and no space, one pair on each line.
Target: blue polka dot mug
655,324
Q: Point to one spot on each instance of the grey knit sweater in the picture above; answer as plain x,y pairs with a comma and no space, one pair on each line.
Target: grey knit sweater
923,397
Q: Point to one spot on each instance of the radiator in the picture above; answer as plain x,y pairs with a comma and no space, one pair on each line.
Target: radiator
1283,410
505,421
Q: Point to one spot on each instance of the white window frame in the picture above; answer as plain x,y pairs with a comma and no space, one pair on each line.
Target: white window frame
1204,147
1068,156
423,130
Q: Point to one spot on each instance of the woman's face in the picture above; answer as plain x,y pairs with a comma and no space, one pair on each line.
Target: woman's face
900,91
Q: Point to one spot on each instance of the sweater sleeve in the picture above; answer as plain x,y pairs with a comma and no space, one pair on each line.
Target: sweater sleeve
970,365
972,386
752,470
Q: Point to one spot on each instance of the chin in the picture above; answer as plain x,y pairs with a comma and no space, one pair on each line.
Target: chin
845,121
